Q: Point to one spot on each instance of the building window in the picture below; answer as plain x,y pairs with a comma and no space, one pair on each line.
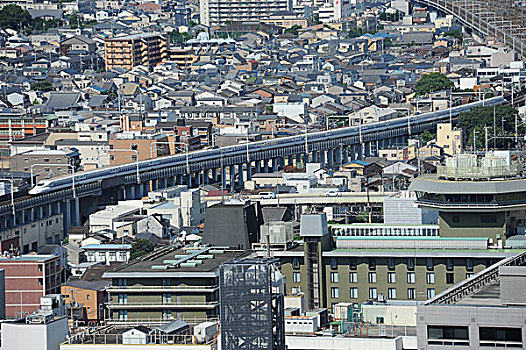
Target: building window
335,293
123,315
123,298
469,275
430,277
353,277
334,277
166,282
491,335
411,293
429,264
372,277
391,264
430,293
373,293
411,277
469,264
449,264
295,263
391,293
87,297
334,263
167,298
372,264
391,277
437,334
353,265
46,160
450,278
354,292
167,315
410,263
296,277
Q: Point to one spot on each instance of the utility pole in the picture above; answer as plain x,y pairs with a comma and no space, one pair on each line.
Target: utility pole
485,139
494,129
72,292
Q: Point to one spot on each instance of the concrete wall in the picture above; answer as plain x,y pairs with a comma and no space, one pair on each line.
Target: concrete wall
341,343
22,336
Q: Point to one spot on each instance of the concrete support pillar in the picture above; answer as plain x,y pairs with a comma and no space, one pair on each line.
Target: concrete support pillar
77,211
67,215
360,152
322,158
367,149
274,165
132,192
198,178
345,154
339,152
171,181
265,165
214,175
32,214
240,178
179,179
40,213
232,176
282,163
189,180
298,159
50,210
258,166
249,171
306,157
315,156
154,185
330,157
223,178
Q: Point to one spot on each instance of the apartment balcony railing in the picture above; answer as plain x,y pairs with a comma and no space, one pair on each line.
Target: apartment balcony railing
141,289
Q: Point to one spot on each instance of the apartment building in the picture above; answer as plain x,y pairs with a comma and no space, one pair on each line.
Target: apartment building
216,12
89,294
450,138
45,164
389,266
29,277
133,50
168,284
143,146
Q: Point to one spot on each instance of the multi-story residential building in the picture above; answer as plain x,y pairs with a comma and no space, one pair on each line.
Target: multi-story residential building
286,19
107,253
45,164
29,277
134,50
90,294
141,146
16,124
216,12
450,138
168,284
30,237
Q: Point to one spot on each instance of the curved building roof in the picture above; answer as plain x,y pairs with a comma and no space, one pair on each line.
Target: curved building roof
432,184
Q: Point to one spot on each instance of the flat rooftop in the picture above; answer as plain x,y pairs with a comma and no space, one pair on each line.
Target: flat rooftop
432,184
487,296
143,267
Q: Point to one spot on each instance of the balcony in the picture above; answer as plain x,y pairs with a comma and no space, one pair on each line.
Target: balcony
161,289
167,305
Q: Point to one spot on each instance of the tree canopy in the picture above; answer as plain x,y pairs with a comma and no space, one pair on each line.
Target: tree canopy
433,82
479,117
293,30
141,247
42,86
16,18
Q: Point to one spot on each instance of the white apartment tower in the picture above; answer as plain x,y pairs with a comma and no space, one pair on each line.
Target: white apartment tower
216,12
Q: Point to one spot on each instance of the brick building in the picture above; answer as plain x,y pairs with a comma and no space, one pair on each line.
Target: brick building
29,277
134,50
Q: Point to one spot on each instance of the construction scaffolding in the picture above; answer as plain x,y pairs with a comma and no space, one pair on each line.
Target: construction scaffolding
252,305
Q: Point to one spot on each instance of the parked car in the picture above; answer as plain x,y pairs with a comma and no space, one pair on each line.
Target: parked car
267,195
333,194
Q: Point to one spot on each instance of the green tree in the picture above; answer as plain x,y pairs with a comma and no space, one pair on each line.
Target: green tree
14,17
293,30
427,136
479,117
316,19
42,86
176,37
433,82
455,33
141,247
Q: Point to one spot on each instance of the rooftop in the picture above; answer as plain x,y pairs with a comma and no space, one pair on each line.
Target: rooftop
145,266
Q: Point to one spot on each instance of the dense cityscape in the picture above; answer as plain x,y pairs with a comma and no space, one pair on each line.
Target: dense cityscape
262,174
